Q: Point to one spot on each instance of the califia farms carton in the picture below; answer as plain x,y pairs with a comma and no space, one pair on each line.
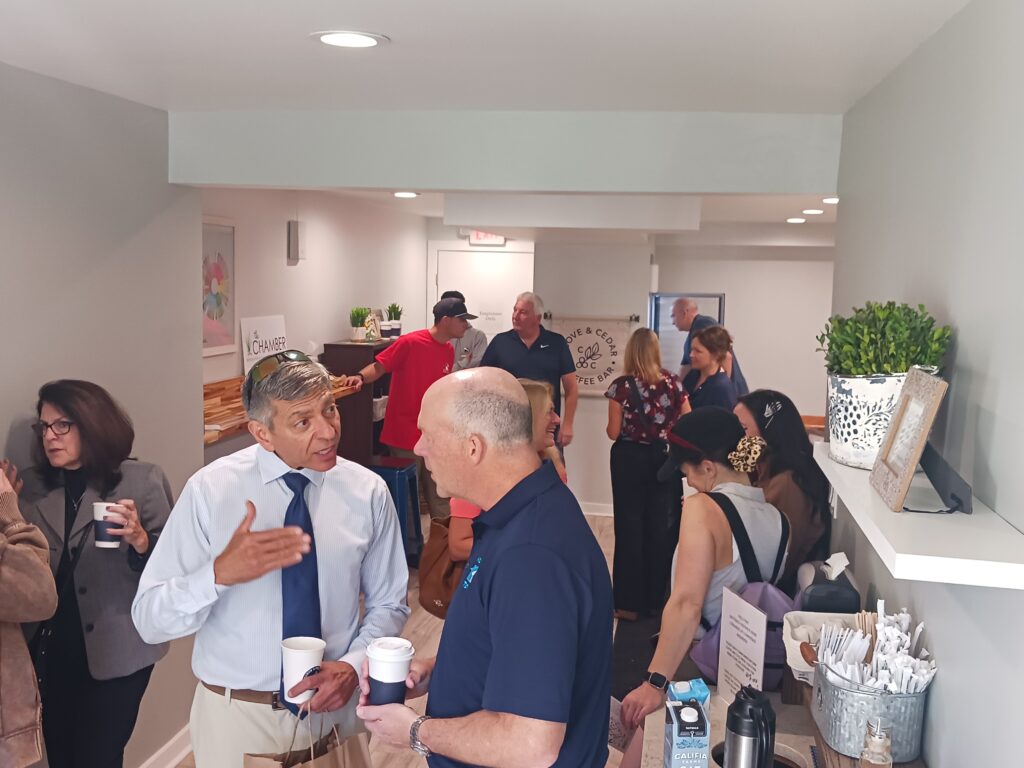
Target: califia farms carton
687,725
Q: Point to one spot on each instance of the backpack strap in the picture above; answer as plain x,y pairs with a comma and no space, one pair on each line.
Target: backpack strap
781,554
739,532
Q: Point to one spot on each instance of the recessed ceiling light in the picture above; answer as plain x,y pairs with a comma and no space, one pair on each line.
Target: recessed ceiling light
830,200
407,195
813,212
795,221
343,38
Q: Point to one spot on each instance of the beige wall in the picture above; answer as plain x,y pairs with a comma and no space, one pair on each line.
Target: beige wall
594,281
930,181
776,301
100,260
356,253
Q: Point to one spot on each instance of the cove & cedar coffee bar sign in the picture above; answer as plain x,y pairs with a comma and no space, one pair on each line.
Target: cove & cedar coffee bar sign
597,346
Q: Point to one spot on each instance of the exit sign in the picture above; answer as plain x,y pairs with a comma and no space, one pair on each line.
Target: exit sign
476,237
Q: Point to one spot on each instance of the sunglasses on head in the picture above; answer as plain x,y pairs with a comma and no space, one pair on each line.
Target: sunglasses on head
267,365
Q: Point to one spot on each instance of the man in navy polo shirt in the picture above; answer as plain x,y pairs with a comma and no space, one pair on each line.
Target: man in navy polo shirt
523,670
531,351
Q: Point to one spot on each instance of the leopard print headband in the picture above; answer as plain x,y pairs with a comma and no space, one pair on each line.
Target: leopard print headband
748,451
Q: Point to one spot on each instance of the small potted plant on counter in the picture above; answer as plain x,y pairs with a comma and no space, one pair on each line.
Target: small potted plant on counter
868,355
394,320
357,317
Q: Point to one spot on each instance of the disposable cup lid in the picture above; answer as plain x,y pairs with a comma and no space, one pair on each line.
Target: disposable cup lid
390,648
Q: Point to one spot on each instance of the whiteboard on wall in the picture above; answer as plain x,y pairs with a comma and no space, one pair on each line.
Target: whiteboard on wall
597,346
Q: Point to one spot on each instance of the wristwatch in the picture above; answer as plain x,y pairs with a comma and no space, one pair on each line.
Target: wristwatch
656,680
414,736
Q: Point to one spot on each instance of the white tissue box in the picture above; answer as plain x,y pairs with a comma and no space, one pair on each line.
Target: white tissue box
810,623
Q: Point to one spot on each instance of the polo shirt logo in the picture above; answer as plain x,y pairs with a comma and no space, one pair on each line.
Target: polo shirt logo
471,572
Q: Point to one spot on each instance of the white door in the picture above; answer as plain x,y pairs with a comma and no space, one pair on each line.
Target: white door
490,281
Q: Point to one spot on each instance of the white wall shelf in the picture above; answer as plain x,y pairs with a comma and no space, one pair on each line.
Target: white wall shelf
980,549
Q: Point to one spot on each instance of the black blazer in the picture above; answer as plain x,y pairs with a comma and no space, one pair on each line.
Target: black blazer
106,579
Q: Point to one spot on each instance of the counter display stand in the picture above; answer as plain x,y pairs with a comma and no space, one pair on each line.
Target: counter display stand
360,434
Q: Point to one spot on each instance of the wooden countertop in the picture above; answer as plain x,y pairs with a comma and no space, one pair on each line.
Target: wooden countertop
795,734
222,406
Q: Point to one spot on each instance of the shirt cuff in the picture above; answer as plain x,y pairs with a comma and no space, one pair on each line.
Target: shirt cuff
202,587
355,660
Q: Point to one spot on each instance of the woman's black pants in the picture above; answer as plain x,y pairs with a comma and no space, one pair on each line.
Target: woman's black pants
644,520
87,722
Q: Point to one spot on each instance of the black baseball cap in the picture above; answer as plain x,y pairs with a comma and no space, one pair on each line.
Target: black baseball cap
453,295
704,433
452,308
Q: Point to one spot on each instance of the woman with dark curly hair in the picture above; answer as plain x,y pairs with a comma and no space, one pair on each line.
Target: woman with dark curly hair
93,664
789,476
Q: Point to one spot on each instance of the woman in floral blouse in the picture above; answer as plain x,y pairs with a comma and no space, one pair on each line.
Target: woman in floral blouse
643,404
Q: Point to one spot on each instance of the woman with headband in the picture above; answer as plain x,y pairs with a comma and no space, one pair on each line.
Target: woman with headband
709,447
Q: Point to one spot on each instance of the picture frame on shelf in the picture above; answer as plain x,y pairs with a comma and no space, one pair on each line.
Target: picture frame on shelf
220,320
905,440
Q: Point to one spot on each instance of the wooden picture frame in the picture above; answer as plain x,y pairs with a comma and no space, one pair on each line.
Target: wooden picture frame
220,313
901,449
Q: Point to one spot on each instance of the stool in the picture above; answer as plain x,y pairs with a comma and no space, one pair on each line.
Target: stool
403,482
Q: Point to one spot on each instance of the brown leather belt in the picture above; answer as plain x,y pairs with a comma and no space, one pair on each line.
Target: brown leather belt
253,697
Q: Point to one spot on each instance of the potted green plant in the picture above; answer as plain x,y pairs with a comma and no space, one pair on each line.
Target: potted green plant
868,354
394,319
357,317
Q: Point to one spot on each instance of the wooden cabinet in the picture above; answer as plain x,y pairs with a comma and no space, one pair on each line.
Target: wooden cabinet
360,435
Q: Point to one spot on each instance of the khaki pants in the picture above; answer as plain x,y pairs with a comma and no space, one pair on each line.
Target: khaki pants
436,505
224,730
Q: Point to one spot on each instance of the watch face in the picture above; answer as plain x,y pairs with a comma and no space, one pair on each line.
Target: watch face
658,680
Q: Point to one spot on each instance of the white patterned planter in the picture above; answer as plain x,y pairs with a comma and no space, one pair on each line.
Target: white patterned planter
859,411
359,333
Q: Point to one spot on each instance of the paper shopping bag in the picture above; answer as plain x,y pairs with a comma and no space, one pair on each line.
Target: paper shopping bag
328,752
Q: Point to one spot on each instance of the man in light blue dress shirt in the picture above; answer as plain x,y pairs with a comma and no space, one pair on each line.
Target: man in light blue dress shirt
216,572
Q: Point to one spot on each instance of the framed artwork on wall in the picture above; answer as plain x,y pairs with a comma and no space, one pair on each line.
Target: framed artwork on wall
219,323
901,449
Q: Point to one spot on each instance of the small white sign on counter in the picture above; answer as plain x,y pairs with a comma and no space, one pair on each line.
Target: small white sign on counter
262,336
741,652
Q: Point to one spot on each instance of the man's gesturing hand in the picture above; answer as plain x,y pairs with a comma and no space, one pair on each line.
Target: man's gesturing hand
250,555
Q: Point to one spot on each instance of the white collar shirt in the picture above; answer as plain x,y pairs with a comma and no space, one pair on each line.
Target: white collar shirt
238,628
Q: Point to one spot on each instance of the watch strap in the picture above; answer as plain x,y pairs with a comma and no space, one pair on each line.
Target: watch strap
414,736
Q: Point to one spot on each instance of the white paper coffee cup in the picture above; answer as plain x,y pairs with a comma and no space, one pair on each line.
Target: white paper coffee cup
300,658
104,540
389,659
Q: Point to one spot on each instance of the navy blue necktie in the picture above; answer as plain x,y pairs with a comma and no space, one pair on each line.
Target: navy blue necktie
300,591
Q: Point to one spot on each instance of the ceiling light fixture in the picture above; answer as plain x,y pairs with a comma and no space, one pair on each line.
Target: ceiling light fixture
407,195
813,212
830,200
342,38
795,221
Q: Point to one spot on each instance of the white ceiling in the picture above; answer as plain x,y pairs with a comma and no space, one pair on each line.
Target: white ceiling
724,209
814,56
748,220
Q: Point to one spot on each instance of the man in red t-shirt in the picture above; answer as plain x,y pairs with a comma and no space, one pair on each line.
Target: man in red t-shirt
415,361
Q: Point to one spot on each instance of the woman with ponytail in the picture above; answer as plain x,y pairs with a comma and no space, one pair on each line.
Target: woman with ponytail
789,476
710,448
